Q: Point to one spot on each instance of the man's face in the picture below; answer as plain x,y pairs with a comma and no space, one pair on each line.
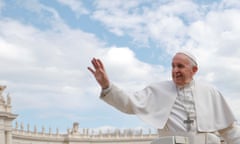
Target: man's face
182,69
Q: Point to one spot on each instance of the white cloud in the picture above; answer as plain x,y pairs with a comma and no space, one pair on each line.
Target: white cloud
216,40
41,67
115,15
10,52
125,68
165,24
117,4
76,6
117,21
230,4
45,16
56,67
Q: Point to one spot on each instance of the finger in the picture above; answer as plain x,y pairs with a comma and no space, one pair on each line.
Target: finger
100,64
95,63
91,70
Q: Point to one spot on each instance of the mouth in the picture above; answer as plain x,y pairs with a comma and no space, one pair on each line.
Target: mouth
178,76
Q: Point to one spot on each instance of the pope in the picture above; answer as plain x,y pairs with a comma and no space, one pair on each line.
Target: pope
182,104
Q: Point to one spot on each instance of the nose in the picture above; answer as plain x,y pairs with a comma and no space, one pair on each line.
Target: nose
175,69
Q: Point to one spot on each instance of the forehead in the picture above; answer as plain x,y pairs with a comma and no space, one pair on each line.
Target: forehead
180,58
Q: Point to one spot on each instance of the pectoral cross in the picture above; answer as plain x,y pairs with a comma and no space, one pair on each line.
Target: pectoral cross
188,122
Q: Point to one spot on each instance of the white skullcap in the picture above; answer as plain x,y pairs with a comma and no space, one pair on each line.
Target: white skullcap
189,55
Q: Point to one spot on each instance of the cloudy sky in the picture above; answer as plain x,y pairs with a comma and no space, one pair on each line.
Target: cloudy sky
47,45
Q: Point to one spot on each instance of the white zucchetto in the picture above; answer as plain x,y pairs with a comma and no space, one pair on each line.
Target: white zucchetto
190,55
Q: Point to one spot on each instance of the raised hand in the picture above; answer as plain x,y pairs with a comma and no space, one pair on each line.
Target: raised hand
99,73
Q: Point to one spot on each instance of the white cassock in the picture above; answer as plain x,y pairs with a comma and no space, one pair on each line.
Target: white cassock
158,105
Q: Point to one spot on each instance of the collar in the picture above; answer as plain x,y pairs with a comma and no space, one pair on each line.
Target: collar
188,85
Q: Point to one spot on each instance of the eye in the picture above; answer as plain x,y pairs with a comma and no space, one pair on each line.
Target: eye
180,66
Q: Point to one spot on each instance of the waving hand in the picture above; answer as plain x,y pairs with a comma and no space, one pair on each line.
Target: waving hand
99,73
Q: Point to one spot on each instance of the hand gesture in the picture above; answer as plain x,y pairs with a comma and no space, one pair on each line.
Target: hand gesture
99,73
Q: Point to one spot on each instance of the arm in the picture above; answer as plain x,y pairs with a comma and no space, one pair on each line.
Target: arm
110,93
231,134
118,99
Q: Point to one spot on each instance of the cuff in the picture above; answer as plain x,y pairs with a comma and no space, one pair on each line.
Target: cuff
105,91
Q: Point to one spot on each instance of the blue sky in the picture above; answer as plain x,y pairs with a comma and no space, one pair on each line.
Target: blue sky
46,47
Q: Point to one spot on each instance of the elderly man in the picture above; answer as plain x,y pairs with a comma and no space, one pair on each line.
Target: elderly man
181,105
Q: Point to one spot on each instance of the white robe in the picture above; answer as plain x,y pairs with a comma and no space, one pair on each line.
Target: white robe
154,103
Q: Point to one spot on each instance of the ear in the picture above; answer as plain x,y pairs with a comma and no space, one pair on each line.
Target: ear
194,69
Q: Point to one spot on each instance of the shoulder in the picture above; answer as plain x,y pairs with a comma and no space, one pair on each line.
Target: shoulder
162,83
166,85
205,85
208,87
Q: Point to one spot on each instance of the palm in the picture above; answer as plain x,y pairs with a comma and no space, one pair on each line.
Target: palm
99,73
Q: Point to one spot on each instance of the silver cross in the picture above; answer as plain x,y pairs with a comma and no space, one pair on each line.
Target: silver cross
188,122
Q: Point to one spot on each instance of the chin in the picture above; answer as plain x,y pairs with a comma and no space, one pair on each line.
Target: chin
178,83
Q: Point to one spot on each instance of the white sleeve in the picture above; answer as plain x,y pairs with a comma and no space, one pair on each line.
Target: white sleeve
231,135
118,99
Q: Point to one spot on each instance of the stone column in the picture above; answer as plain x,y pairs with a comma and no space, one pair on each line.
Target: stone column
8,129
2,132
9,137
2,137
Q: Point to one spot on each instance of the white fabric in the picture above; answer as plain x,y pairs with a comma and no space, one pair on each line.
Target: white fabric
188,54
231,135
171,140
194,138
154,105
184,103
